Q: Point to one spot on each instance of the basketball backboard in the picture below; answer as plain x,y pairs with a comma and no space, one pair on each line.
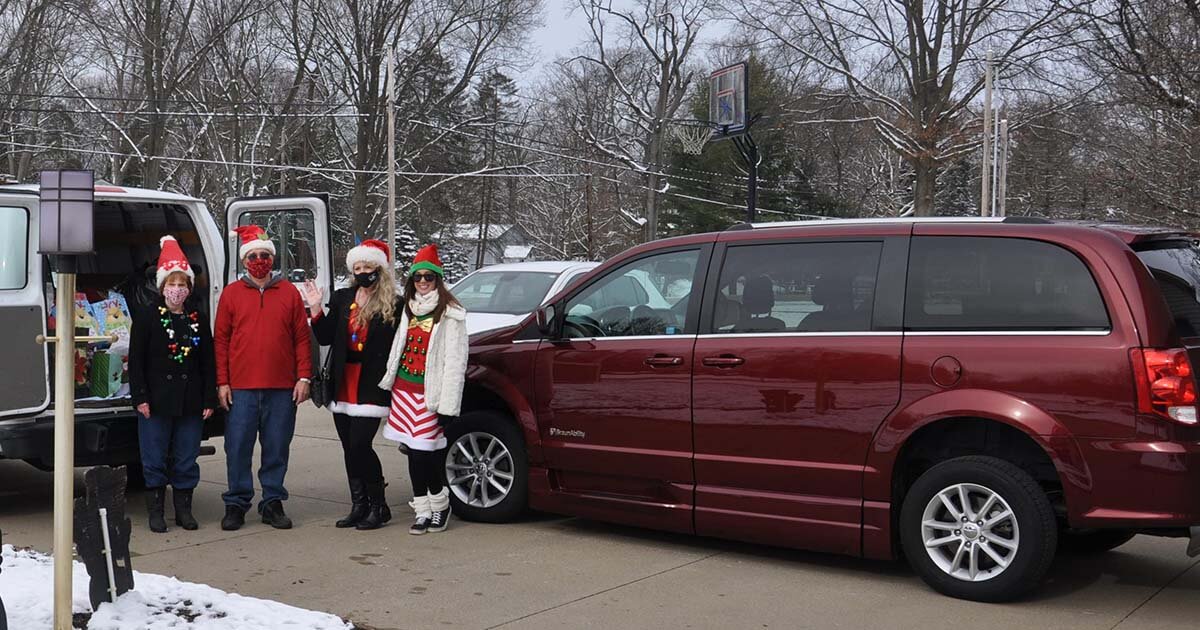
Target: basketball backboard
728,101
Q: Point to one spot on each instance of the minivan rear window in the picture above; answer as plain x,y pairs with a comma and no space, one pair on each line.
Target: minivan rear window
14,251
1175,265
999,284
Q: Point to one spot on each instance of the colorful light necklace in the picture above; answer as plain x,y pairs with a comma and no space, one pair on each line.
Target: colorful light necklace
355,327
178,350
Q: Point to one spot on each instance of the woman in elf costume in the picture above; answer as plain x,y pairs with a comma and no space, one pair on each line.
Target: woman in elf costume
173,383
425,374
359,328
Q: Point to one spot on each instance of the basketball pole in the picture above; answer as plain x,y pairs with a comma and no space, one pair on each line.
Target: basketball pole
391,156
749,151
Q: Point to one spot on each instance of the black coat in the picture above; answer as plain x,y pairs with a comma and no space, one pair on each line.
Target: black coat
170,387
331,330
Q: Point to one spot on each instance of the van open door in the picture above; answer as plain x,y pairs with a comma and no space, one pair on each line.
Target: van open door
25,370
299,227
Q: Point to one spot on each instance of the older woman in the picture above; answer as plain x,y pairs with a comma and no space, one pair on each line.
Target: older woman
425,374
359,328
173,383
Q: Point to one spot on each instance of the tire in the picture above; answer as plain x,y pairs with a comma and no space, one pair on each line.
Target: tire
1012,553
497,450
1093,540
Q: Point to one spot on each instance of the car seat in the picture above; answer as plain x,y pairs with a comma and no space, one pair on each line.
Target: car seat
758,299
835,294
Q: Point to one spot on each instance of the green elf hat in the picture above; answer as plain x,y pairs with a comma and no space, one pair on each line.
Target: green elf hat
427,259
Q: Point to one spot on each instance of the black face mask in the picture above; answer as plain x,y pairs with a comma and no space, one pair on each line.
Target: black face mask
367,280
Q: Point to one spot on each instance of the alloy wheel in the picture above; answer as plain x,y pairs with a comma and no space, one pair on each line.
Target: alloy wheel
479,469
970,532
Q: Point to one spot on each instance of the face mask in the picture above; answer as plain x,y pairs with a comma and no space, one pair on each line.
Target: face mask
260,268
367,280
176,295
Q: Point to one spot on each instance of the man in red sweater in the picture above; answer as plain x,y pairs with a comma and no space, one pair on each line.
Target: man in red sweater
263,371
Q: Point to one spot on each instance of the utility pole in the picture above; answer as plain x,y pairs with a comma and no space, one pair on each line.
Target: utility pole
391,155
985,204
1002,183
587,205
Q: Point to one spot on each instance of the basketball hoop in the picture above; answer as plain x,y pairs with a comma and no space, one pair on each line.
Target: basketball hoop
691,135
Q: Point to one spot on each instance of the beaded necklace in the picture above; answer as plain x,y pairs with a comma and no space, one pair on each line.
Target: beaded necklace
178,350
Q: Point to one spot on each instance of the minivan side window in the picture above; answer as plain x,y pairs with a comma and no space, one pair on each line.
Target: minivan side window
14,247
997,284
797,287
631,299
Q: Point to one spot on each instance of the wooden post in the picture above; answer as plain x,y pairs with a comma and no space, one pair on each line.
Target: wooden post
985,204
391,156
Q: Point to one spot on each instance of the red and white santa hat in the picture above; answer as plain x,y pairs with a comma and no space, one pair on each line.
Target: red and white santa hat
252,237
369,251
170,260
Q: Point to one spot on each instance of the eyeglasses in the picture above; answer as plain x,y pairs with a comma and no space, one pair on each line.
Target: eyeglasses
424,277
258,256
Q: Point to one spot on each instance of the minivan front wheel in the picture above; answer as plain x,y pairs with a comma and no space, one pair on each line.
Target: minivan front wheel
486,467
978,528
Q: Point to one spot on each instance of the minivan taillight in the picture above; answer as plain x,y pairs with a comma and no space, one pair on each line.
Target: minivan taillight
1165,384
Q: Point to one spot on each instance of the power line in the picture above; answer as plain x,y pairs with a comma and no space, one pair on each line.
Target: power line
176,101
199,114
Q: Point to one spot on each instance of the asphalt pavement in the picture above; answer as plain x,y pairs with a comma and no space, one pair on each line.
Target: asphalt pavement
555,572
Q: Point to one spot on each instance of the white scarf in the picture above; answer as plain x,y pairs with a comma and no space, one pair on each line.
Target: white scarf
423,304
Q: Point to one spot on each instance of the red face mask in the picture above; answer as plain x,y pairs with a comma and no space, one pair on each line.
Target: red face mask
259,268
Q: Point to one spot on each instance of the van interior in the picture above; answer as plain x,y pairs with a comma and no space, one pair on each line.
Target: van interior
115,282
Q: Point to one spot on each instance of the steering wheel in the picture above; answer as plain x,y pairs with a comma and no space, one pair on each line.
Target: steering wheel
583,325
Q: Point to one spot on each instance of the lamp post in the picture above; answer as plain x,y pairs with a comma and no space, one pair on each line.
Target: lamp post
65,219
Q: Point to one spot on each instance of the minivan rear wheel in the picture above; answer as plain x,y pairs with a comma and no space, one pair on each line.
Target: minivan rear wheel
486,467
978,528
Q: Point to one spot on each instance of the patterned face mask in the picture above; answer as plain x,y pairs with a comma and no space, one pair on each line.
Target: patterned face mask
260,267
176,295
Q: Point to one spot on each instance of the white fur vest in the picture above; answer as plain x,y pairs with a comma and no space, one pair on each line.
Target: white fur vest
445,366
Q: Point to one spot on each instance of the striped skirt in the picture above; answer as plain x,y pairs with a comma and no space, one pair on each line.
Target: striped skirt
410,422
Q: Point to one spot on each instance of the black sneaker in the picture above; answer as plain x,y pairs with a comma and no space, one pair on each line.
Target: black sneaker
419,526
439,521
272,514
235,517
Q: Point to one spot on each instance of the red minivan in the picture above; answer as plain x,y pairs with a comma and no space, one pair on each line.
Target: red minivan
972,393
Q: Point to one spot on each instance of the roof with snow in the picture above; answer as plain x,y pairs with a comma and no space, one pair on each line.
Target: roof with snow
517,251
470,231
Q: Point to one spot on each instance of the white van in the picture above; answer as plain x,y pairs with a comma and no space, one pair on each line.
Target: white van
119,276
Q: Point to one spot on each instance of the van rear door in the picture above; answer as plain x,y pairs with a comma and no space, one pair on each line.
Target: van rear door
25,368
299,227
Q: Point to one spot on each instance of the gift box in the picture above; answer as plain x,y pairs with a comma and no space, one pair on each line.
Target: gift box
104,379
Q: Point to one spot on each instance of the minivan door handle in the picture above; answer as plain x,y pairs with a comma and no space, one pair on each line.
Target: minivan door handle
662,360
724,361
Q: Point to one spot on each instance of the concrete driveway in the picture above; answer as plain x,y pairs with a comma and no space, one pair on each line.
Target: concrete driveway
552,572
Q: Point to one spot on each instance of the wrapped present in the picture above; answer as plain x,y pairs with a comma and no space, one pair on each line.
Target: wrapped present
112,314
104,379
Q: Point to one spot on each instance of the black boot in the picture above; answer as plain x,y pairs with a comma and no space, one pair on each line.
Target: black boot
273,515
235,517
378,513
183,509
358,504
155,498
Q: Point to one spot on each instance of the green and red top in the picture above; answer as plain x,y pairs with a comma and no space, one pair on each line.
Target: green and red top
416,349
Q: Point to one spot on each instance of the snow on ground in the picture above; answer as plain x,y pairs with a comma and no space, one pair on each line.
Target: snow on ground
158,603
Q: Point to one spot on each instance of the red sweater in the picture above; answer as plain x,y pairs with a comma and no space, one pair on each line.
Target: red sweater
262,336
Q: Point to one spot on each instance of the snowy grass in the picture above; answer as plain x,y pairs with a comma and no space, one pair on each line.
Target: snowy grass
158,603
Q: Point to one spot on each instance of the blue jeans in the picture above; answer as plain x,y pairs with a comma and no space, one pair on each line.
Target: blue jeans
177,438
270,416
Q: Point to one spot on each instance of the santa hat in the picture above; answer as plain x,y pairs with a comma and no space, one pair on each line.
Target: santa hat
170,260
252,237
427,259
369,251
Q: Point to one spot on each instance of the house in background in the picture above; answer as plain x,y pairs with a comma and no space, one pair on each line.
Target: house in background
499,243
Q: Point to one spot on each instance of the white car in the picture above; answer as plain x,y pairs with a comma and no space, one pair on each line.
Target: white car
503,295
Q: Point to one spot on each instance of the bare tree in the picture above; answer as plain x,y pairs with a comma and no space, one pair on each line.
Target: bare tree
915,65
643,53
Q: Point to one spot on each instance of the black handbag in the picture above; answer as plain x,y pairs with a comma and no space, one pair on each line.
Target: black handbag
321,392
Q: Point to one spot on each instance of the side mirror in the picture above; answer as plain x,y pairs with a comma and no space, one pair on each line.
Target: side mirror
545,319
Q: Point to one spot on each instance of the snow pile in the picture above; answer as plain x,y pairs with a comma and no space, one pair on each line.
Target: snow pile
160,602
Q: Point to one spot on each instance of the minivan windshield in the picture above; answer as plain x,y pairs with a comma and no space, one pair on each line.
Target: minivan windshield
504,292
1175,264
